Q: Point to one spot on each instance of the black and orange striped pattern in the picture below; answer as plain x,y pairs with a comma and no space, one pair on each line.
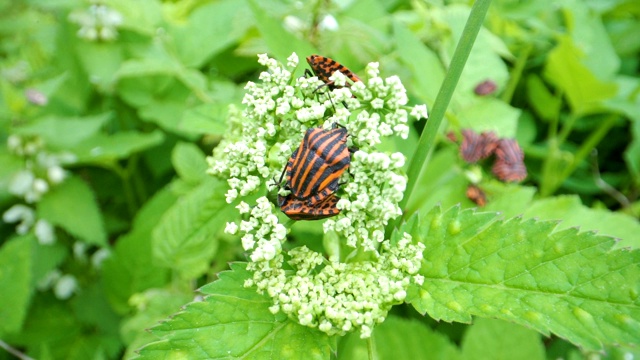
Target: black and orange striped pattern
323,67
509,165
314,169
299,210
475,194
476,146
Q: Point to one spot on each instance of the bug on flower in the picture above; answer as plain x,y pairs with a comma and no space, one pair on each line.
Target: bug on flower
314,169
509,165
476,146
475,194
297,209
323,67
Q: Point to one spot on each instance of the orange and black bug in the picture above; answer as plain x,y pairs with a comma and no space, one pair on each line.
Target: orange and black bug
314,169
476,146
475,194
509,165
298,210
323,67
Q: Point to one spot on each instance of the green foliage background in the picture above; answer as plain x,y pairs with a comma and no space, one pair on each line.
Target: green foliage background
140,114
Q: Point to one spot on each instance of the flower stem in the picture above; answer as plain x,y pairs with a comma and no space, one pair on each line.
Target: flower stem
460,56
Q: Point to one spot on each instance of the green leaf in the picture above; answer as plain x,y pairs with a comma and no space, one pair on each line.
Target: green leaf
154,305
398,338
564,282
234,322
185,240
131,267
205,119
189,162
592,37
507,199
545,104
280,42
489,114
72,206
418,57
211,28
565,69
494,339
569,208
15,282
103,147
64,132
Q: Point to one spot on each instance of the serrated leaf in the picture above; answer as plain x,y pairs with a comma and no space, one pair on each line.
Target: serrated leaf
72,206
185,240
234,322
398,338
15,282
569,208
564,282
494,339
156,304
189,162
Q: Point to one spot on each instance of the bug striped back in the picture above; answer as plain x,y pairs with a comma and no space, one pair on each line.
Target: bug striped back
323,67
297,209
475,194
476,146
314,169
509,165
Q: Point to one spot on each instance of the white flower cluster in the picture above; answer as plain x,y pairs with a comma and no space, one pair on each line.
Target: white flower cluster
341,296
97,23
371,200
42,170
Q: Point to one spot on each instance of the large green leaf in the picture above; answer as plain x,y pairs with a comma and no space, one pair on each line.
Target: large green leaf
234,322
495,339
130,268
564,282
185,240
63,132
398,338
120,145
189,162
72,206
15,282
210,29
569,208
584,91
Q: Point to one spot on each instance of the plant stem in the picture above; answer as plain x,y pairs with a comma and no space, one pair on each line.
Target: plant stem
516,74
370,349
460,56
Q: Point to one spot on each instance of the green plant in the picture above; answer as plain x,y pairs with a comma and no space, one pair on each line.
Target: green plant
111,221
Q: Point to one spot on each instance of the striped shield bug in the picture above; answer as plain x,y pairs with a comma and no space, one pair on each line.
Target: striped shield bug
323,67
475,194
297,209
476,146
314,169
509,165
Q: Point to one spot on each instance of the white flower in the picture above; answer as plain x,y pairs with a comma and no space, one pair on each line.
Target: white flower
231,228
45,232
65,287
